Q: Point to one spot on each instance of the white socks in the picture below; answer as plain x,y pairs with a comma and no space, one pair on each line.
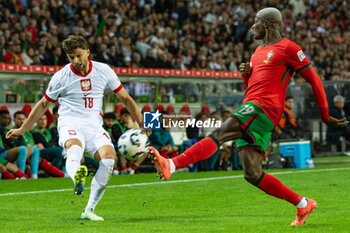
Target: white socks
99,182
172,166
302,203
74,155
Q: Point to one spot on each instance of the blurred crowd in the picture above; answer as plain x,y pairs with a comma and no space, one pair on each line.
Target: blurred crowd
189,34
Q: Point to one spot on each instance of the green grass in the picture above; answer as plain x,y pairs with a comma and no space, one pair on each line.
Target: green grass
216,205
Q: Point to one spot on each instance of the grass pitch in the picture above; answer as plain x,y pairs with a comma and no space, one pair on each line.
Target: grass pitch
188,202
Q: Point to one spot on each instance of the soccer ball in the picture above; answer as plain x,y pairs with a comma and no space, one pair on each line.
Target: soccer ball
133,144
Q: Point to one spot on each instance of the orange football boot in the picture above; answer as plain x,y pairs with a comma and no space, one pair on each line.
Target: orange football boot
303,213
162,164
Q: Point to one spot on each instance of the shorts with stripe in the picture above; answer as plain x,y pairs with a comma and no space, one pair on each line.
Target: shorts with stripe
256,127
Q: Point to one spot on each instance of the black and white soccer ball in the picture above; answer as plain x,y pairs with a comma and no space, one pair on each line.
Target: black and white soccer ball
133,144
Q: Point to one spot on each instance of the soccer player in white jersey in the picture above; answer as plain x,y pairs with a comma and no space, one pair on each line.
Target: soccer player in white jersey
79,88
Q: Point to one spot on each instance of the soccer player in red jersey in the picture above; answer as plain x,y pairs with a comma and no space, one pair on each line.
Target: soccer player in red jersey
266,77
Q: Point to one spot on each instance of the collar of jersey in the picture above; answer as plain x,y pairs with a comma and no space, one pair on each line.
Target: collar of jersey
274,42
79,74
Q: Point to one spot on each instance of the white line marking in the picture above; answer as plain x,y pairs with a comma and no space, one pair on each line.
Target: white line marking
177,181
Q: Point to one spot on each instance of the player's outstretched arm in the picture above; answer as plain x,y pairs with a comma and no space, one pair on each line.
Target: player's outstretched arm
310,75
130,105
38,110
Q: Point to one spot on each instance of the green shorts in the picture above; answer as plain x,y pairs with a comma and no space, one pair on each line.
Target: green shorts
3,161
256,127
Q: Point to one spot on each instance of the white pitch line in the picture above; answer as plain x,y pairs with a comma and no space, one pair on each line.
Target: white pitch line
179,181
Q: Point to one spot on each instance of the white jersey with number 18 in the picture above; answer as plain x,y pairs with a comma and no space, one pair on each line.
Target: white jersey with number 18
81,96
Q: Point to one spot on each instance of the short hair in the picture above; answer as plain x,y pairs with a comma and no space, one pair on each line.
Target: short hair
124,111
73,42
224,112
4,111
109,115
19,113
337,98
55,110
289,97
200,115
213,113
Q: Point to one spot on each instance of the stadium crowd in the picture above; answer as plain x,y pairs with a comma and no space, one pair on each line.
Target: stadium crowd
191,34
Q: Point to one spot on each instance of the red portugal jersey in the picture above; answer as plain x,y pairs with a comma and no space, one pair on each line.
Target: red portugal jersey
271,69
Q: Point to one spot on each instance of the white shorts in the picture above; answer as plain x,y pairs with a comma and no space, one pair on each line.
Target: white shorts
92,138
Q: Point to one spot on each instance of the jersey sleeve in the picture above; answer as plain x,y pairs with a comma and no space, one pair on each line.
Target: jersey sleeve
113,81
311,77
54,88
295,58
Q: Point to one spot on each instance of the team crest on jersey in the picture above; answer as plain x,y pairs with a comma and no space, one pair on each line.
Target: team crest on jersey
301,55
268,57
85,84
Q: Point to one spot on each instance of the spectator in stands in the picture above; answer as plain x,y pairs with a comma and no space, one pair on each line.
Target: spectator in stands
27,140
5,118
15,151
44,140
137,60
196,132
13,53
150,61
59,58
33,29
288,124
333,90
7,168
163,62
2,46
53,126
28,56
334,134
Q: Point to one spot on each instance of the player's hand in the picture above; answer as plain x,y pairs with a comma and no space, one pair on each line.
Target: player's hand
244,68
336,123
14,133
148,132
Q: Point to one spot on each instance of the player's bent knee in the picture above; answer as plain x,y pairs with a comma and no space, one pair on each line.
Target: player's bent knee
72,142
105,152
107,156
252,177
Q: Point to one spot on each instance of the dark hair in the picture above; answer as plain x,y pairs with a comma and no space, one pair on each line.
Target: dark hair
289,97
124,111
55,110
214,112
200,115
18,113
73,42
109,115
4,112
224,112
